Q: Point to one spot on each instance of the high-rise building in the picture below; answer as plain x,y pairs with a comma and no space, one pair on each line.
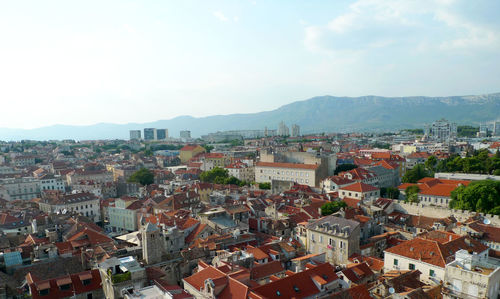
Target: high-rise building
149,134
185,134
442,130
283,129
161,134
483,130
496,128
295,130
135,134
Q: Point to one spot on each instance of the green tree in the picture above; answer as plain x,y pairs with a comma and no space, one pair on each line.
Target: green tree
417,173
265,186
332,207
207,147
479,196
344,167
216,175
411,193
142,176
389,192
431,163
467,131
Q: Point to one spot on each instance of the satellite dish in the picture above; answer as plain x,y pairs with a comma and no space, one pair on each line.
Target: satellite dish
486,221
64,211
392,290
464,228
57,212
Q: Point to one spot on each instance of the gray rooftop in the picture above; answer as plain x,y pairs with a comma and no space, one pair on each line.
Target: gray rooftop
334,224
150,227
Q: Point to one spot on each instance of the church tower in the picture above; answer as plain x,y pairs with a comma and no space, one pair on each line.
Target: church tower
152,244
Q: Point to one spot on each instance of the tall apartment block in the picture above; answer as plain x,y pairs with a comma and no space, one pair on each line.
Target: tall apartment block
135,134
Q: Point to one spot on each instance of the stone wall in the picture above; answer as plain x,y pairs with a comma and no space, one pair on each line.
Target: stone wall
441,212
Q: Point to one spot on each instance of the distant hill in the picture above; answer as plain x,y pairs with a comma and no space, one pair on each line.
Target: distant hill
318,114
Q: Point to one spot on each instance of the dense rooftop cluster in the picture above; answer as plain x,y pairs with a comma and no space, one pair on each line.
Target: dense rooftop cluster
271,217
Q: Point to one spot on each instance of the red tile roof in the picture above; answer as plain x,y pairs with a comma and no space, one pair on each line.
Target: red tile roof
299,285
74,280
265,270
258,254
359,187
197,280
93,237
357,272
434,252
351,202
356,292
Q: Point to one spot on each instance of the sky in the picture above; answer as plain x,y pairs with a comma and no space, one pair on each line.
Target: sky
86,62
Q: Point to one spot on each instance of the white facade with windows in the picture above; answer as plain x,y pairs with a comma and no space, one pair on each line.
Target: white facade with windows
430,273
52,182
21,188
85,204
304,174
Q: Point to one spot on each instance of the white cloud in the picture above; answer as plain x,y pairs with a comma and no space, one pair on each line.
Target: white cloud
219,15
420,25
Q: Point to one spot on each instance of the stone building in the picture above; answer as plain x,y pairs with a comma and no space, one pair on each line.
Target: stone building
471,276
152,244
335,236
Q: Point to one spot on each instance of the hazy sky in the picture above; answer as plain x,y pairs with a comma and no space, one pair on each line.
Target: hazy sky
83,62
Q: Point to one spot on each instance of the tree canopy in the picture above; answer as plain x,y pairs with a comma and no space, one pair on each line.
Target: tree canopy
389,192
415,174
216,174
344,167
142,176
467,131
411,193
479,162
332,207
478,196
220,176
265,186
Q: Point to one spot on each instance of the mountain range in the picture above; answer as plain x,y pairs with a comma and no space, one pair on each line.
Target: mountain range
315,115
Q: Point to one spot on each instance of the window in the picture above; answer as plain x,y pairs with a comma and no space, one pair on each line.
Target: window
312,237
432,273
395,262
65,287
411,266
331,242
44,292
321,239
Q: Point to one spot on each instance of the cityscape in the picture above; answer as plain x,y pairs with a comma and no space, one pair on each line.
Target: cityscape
250,149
